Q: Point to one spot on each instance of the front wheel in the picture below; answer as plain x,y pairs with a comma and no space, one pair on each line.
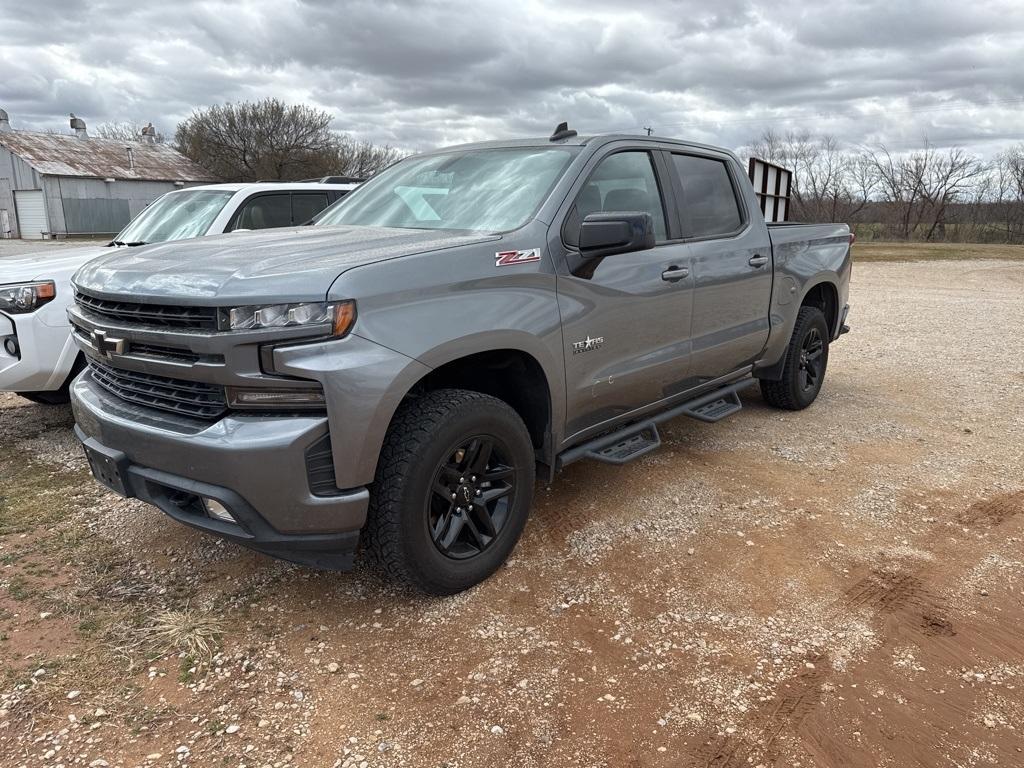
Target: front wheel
452,492
806,361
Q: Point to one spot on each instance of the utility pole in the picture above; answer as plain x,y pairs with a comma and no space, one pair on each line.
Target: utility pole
648,129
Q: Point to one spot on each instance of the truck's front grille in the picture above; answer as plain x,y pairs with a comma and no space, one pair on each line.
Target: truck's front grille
136,349
188,398
161,315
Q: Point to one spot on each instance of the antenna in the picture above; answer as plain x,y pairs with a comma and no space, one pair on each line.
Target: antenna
562,132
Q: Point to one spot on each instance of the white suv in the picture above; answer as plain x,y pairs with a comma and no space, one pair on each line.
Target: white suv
38,358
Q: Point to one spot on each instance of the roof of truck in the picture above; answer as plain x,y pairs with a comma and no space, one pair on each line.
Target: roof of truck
276,186
577,141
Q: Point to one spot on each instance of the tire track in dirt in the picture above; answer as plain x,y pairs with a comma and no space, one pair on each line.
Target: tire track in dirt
794,701
898,599
993,511
905,596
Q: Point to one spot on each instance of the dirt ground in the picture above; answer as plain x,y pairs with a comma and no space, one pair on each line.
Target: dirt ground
838,587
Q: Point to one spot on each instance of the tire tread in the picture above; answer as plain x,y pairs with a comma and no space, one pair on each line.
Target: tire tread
413,427
782,393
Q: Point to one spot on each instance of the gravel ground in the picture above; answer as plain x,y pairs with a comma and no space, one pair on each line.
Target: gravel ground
838,587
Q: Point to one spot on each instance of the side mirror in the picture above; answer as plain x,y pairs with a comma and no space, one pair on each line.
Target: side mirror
606,234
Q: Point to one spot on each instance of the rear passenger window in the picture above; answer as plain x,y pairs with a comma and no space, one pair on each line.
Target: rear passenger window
266,211
624,183
710,207
307,205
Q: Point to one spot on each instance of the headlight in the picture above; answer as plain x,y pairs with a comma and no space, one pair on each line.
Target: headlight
340,316
26,297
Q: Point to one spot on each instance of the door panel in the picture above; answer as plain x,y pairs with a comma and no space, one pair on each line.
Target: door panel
732,269
625,328
31,210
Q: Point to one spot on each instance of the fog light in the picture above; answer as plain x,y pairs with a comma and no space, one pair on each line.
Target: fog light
11,346
218,511
275,398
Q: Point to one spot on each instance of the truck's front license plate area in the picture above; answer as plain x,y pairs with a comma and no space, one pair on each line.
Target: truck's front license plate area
107,468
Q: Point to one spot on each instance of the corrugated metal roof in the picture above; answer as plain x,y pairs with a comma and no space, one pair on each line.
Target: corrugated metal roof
62,155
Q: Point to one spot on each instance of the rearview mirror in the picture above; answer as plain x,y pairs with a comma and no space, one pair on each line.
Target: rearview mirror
606,234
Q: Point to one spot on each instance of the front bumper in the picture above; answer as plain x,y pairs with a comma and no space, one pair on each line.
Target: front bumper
46,353
255,466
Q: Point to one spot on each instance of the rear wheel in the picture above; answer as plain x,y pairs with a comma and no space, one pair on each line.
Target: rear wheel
806,361
453,490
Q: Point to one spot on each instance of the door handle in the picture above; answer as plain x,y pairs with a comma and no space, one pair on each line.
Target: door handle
757,260
674,274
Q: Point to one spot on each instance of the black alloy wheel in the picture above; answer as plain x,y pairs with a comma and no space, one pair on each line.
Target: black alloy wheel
804,363
470,498
811,351
452,492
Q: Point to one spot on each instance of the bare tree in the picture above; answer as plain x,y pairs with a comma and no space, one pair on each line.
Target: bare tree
1007,186
929,193
829,183
269,139
125,130
921,186
363,158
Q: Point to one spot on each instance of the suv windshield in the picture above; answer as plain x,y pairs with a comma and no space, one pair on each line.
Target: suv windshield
175,216
490,190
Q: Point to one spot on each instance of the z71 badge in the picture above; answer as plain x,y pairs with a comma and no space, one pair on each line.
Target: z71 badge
511,258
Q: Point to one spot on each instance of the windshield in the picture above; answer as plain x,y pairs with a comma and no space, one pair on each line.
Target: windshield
175,216
488,190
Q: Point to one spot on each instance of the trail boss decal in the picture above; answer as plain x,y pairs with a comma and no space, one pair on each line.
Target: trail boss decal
511,258
587,344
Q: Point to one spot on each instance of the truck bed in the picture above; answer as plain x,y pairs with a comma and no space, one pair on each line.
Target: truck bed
790,237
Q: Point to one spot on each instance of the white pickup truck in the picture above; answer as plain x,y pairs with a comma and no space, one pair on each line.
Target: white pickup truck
38,358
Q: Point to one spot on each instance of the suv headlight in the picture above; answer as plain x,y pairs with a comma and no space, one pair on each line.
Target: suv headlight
339,315
19,298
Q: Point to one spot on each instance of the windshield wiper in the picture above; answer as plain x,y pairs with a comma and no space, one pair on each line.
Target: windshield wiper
129,244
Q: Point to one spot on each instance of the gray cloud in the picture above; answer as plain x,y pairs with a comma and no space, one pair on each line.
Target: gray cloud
419,75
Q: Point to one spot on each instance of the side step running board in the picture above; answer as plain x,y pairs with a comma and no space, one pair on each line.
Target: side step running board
713,406
635,440
624,446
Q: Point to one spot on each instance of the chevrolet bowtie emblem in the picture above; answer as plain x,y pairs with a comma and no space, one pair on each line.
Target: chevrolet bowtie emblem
108,345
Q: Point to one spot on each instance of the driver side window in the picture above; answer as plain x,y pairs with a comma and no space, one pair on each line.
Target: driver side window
265,212
624,182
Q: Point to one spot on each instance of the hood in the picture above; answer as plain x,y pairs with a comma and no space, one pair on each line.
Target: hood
269,266
52,264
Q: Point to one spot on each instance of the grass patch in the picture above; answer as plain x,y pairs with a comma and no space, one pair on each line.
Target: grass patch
18,588
895,251
34,493
195,632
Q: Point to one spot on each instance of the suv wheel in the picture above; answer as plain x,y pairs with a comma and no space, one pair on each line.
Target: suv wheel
806,360
453,489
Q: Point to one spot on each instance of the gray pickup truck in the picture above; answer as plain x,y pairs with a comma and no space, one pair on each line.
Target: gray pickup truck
397,373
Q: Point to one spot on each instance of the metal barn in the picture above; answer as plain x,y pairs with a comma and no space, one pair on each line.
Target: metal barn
60,185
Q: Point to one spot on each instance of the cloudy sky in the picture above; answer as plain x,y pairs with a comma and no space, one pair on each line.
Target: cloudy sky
417,75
